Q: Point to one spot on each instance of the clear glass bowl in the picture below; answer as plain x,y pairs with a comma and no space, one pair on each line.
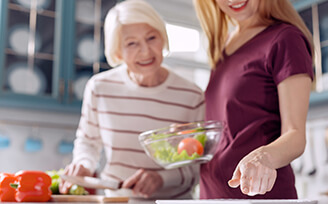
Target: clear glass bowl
169,147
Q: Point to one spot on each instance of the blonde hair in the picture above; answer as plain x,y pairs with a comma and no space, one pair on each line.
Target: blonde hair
215,22
129,12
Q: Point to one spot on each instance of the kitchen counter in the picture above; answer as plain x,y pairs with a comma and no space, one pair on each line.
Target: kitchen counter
321,200
131,201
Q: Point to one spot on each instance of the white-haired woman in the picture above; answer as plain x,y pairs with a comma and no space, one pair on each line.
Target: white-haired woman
260,86
137,96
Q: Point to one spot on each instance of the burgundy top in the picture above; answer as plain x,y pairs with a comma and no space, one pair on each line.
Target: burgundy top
242,92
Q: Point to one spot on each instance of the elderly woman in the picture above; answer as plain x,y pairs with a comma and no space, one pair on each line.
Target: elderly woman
137,96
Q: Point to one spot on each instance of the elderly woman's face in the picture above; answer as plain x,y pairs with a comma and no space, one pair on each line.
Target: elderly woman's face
240,10
141,48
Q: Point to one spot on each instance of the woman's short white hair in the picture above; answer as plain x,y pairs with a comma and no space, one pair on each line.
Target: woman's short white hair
129,12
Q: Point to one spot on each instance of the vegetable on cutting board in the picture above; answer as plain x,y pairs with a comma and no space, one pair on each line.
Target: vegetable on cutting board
32,186
56,179
7,193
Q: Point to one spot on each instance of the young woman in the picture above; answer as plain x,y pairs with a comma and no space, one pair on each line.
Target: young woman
140,95
259,86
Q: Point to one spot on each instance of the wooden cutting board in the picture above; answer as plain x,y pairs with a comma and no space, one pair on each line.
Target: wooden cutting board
88,198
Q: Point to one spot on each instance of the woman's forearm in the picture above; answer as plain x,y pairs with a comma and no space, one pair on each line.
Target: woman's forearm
286,148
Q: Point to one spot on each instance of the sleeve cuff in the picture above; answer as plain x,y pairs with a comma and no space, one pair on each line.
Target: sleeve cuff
170,177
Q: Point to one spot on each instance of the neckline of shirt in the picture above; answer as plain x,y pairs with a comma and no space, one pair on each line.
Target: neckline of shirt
135,87
225,55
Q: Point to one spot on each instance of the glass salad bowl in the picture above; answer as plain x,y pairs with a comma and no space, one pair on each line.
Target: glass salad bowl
182,144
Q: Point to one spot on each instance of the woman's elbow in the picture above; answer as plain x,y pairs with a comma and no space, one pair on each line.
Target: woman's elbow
300,147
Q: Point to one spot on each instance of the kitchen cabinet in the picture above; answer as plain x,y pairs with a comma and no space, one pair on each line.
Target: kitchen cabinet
316,18
44,62
48,51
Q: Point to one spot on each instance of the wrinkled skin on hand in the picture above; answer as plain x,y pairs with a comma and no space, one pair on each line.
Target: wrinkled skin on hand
74,170
144,183
254,174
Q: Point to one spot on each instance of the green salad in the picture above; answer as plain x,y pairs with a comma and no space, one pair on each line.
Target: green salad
166,153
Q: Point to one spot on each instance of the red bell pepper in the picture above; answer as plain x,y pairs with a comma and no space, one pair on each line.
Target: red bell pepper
7,193
32,186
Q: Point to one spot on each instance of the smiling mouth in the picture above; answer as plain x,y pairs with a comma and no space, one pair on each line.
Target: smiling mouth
238,5
146,62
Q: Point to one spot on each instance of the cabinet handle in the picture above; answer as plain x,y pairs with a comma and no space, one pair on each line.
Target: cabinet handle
61,90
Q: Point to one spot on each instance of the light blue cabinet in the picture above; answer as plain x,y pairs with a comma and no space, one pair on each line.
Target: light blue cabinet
314,14
48,51
36,53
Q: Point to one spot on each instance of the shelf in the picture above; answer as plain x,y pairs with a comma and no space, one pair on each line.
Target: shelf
38,55
18,7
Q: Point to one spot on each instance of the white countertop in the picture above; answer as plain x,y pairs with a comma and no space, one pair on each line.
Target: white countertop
321,200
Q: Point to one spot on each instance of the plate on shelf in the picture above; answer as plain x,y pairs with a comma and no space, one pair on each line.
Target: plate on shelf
79,84
23,80
85,11
19,38
41,4
65,147
33,144
4,140
87,49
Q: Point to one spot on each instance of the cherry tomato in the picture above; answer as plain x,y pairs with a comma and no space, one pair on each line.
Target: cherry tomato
191,145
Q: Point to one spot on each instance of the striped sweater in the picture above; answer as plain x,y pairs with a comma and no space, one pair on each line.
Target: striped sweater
115,111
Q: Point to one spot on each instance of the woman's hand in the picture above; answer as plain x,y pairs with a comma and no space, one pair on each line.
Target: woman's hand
254,174
74,170
144,183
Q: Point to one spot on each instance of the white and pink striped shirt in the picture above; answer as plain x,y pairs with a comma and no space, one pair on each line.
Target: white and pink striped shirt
115,111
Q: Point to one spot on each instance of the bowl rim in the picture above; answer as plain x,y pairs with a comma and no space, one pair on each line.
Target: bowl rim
217,125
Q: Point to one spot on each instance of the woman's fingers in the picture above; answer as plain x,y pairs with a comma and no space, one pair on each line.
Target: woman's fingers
145,182
132,181
64,186
234,182
272,180
152,181
260,180
72,169
256,180
248,174
253,176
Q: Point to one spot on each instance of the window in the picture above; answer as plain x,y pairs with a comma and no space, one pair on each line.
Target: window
182,39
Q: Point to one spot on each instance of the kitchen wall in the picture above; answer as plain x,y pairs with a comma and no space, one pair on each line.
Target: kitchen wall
32,139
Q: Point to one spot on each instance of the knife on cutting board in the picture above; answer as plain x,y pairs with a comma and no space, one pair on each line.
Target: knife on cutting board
92,182
87,199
